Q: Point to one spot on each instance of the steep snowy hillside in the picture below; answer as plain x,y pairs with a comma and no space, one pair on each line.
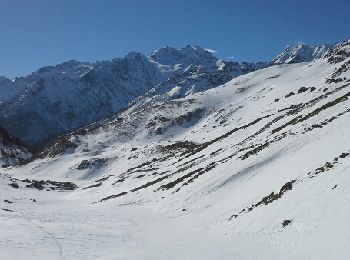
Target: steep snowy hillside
302,53
257,168
58,99
11,150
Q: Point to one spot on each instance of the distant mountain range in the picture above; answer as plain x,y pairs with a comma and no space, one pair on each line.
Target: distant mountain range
59,99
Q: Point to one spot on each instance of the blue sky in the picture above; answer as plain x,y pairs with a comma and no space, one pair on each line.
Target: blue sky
35,33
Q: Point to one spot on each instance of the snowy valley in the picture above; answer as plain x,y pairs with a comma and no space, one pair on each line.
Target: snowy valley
178,155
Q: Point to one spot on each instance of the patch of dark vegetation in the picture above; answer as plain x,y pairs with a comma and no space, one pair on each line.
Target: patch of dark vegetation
172,184
92,163
49,185
290,94
300,118
268,199
286,222
182,146
93,186
328,165
190,176
150,169
208,168
14,185
302,89
190,161
337,80
148,184
160,173
325,122
178,121
114,196
291,122
274,77
264,128
258,148
156,120
223,115
139,166
203,146
104,178
119,181
8,210
41,185
215,152
293,109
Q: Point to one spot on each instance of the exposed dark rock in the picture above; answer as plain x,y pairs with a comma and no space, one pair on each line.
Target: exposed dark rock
302,89
290,94
286,222
268,199
8,210
92,163
49,185
14,185
93,186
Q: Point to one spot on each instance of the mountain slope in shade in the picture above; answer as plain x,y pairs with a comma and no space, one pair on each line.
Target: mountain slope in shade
12,150
257,168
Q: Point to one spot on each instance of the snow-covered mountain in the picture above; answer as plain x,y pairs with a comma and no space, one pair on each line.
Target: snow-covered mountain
58,99
302,53
257,168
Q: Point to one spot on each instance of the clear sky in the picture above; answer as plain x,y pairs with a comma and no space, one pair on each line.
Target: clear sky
35,33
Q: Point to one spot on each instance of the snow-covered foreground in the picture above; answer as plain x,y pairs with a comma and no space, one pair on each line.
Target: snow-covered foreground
255,169
57,226
60,225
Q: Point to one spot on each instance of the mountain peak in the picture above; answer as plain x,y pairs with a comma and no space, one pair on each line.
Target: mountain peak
135,56
302,53
187,55
4,80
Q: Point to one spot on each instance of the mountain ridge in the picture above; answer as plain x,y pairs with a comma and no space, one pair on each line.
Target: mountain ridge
48,100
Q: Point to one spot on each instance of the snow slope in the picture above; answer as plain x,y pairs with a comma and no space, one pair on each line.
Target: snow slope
254,169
